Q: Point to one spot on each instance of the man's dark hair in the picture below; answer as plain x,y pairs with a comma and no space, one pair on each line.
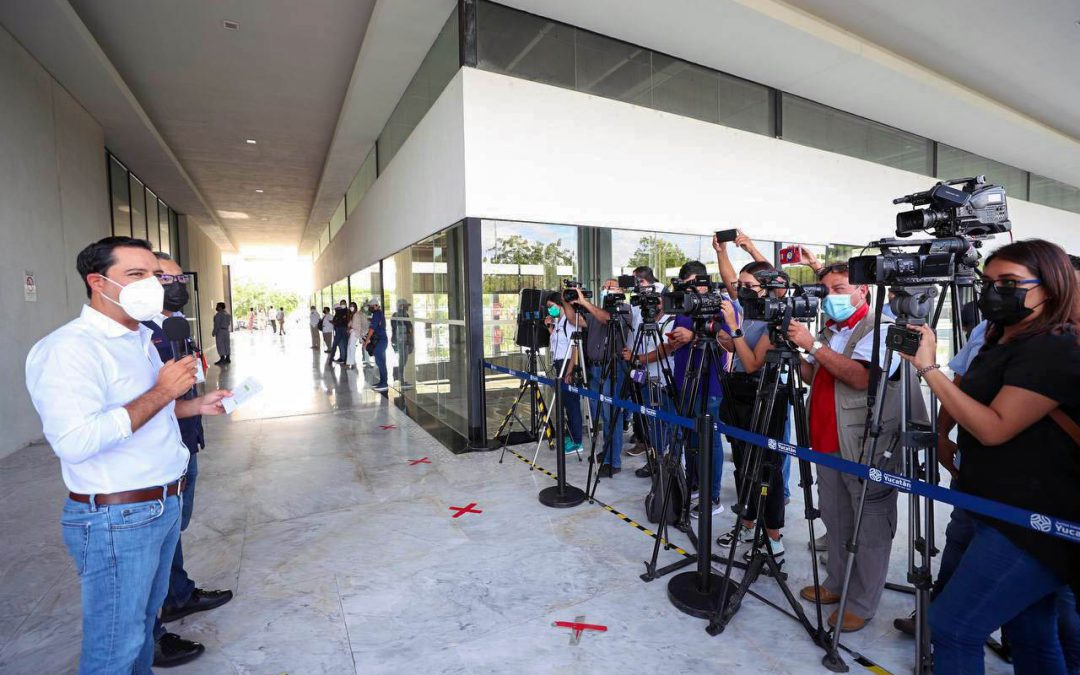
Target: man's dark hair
313,308
325,310
833,268
98,257
162,255
645,272
220,306
693,268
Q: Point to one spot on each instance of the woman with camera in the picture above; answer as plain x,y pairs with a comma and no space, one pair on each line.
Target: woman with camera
1017,407
752,342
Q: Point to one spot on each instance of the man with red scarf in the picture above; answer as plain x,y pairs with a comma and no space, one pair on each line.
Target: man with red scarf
838,368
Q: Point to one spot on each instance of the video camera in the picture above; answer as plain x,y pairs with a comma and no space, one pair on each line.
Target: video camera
959,219
686,298
570,289
800,301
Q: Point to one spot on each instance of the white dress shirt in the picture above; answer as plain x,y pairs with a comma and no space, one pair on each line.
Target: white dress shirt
80,377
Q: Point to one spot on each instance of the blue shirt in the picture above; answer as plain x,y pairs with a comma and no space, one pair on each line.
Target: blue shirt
378,324
962,361
682,359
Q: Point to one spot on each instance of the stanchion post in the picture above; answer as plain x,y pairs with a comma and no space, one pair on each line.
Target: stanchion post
560,495
698,593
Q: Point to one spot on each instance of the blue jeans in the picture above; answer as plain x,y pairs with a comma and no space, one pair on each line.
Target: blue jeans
997,584
611,416
341,342
1069,629
958,535
180,584
380,360
571,406
122,554
717,450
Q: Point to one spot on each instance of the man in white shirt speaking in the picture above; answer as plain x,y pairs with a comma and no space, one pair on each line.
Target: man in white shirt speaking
108,409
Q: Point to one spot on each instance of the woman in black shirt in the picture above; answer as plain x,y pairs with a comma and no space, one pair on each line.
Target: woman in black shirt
1014,452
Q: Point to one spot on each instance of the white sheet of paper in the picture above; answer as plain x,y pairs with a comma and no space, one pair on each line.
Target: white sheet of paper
240,394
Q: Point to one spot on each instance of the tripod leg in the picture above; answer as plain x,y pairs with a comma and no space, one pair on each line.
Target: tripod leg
512,412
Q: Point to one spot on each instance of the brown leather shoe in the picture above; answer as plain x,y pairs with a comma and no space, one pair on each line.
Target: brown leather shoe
827,596
851,622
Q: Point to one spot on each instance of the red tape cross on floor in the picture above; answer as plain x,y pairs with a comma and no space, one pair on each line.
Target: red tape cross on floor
422,460
462,510
384,427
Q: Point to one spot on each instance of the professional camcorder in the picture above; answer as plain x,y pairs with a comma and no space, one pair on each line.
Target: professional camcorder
649,301
687,298
615,303
571,288
799,302
959,219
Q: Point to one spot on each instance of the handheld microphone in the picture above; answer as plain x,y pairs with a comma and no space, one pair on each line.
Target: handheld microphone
178,332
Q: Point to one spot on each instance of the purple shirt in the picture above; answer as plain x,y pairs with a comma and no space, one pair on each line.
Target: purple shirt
682,358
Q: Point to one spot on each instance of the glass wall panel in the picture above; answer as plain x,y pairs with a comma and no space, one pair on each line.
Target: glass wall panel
425,305
365,285
437,69
955,163
685,89
324,239
611,68
153,230
524,45
1055,193
121,207
138,207
163,227
515,256
339,291
174,233
665,253
363,181
819,126
337,219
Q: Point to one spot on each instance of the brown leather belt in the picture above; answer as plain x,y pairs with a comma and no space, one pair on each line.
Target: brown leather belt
132,496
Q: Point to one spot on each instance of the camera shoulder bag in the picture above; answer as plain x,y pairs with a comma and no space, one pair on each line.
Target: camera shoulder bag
1066,423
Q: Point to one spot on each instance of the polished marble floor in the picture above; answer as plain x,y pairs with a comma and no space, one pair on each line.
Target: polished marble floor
345,557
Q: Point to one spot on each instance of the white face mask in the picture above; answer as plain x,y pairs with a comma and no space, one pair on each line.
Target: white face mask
142,300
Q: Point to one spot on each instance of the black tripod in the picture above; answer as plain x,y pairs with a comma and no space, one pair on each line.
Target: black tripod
580,380
537,407
780,383
695,593
915,438
608,381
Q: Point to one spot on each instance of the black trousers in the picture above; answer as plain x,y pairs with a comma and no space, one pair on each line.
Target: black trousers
743,388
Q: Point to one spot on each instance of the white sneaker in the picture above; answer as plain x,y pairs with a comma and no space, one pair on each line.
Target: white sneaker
718,508
746,536
776,546
383,387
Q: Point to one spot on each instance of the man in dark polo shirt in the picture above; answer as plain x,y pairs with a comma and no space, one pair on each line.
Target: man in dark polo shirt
183,597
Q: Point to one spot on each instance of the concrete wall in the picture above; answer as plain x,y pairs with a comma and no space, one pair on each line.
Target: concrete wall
53,202
201,255
541,153
421,192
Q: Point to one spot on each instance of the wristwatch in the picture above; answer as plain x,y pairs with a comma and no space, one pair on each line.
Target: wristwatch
814,347
737,334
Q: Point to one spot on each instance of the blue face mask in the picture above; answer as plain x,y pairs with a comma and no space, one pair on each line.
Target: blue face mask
838,307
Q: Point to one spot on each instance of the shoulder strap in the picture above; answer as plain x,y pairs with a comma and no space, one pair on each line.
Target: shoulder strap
1067,424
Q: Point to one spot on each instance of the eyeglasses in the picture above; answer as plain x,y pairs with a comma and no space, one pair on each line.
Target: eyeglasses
752,287
167,279
1007,284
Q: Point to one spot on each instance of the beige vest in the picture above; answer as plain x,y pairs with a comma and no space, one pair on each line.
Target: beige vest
851,404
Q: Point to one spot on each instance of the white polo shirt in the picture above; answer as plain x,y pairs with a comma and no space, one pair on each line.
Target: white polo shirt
80,376
560,338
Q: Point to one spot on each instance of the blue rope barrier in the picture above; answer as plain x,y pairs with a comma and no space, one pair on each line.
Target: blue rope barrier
1057,527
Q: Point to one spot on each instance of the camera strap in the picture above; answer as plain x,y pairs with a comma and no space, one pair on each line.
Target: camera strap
1066,423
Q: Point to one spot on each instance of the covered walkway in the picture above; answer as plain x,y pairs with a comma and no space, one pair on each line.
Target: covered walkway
345,555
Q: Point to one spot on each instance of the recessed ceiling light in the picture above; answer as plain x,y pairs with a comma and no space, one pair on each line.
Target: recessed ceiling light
258,189
234,215
229,24
251,141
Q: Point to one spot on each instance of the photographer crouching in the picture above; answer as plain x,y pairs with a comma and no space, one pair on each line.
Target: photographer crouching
1017,407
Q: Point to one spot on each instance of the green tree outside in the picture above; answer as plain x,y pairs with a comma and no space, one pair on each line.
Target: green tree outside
246,295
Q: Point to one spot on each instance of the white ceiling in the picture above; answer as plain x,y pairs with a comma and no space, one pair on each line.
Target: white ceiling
1024,54
279,80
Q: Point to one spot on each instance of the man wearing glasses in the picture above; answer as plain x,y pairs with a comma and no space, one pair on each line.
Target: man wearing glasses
183,597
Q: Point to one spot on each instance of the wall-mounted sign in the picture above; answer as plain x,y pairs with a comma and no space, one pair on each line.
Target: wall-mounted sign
29,286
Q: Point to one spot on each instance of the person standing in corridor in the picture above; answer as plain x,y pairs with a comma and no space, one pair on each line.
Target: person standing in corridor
377,337
281,320
314,319
220,333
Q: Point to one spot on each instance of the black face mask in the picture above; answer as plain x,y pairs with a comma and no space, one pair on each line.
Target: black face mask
1004,307
176,296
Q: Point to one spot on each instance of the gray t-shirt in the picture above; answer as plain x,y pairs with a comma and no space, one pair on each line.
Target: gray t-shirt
596,337
753,331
